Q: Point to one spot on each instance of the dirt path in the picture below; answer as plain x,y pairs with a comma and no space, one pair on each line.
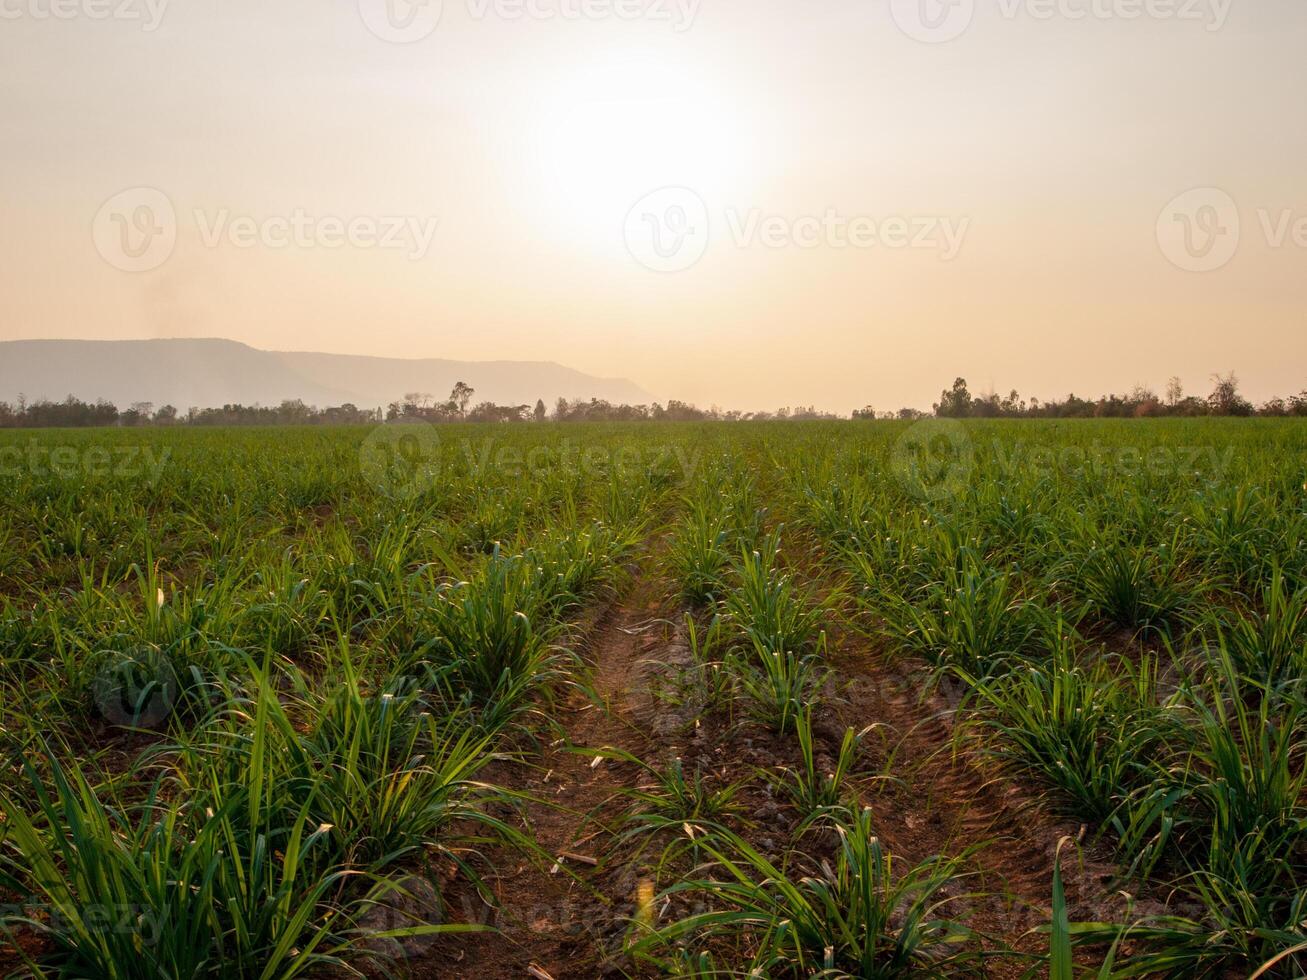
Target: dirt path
944,798
555,924
560,924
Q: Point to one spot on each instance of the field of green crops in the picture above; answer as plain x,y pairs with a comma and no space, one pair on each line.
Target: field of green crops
774,700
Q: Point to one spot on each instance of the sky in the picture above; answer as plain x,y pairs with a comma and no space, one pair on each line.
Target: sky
747,203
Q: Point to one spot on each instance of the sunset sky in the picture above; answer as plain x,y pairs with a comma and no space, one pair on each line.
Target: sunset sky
858,201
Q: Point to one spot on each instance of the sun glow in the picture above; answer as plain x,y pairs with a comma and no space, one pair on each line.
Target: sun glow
611,132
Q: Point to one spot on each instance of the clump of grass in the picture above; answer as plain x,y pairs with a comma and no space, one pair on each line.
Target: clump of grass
777,686
674,804
1135,587
698,554
860,916
1235,816
1091,730
768,608
393,777
709,684
487,635
164,888
813,792
972,620
1268,645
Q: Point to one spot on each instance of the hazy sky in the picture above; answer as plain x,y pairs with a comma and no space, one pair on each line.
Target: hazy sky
748,202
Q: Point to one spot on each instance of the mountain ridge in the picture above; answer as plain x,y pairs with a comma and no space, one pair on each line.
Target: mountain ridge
210,372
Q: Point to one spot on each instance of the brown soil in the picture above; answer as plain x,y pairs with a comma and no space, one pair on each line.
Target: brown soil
944,798
566,915
565,918
937,801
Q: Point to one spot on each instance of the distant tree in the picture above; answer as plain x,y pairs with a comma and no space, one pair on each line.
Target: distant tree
1225,398
866,412
167,415
461,395
415,404
1190,405
540,414
1142,402
955,403
1174,392
490,412
293,412
139,414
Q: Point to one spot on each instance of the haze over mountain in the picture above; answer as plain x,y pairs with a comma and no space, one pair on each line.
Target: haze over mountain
212,373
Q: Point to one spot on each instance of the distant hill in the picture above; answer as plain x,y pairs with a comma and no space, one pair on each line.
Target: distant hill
212,373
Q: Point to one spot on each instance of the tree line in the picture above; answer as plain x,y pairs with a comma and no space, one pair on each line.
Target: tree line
1142,402
418,406
955,402
458,408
